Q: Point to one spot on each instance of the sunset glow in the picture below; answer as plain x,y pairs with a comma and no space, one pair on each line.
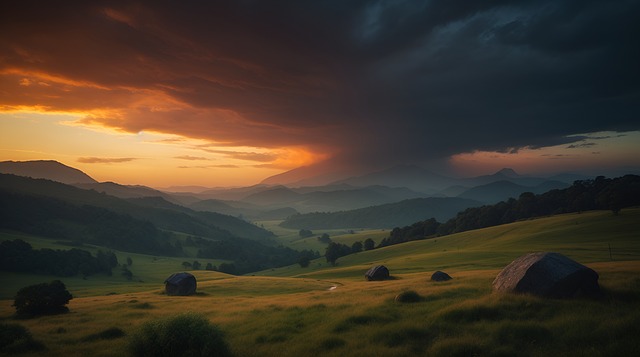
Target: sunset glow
609,152
166,94
153,158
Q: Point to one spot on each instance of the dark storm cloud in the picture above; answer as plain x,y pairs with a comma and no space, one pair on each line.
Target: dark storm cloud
372,81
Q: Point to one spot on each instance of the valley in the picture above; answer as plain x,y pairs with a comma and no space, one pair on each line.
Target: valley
253,286
319,178
332,310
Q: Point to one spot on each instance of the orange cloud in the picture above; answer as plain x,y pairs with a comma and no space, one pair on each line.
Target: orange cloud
105,160
223,166
191,158
291,88
249,156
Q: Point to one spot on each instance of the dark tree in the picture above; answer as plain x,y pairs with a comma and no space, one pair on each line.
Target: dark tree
304,233
45,298
304,261
228,268
369,244
129,261
186,265
112,259
356,247
210,267
196,265
324,238
336,250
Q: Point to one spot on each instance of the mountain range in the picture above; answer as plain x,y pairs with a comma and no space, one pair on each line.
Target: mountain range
267,200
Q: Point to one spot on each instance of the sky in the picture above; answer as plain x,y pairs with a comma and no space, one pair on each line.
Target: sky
227,93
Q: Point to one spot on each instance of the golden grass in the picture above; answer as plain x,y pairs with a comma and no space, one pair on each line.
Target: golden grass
264,316
293,311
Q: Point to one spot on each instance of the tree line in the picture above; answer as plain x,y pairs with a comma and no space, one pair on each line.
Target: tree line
247,255
336,250
584,195
19,256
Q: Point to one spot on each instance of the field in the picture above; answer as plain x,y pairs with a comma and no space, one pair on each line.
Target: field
291,238
326,310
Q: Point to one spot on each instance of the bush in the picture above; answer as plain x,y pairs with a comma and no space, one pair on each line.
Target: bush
332,343
39,299
108,334
16,338
186,334
408,296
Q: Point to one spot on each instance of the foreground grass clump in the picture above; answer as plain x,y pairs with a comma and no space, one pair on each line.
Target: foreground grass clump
408,296
182,335
108,334
16,338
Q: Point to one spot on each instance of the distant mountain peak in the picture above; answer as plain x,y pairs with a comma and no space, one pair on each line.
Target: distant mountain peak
508,172
46,169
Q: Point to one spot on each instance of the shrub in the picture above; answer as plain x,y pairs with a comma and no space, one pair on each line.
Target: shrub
415,337
45,298
459,346
332,343
186,334
16,338
408,296
523,333
108,334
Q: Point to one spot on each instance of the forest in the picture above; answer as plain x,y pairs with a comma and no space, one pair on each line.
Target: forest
18,256
585,195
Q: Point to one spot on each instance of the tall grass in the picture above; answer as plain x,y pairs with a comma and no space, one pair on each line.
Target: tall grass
295,314
187,334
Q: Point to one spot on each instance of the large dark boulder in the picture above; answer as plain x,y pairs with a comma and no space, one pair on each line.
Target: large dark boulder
378,272
440,276
548,275
180,284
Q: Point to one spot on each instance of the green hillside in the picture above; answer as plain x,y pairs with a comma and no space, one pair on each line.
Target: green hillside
585,237
145,225
332,311
388,215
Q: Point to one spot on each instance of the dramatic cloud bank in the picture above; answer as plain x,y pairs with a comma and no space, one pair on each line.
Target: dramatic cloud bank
372,82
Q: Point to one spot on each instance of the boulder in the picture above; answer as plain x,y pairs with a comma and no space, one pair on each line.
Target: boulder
378,272
440,276
180,284
547,274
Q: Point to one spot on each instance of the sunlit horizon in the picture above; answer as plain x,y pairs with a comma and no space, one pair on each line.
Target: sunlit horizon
163,160
165,94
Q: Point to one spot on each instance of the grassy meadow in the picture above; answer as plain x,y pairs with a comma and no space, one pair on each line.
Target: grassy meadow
291,238
325,310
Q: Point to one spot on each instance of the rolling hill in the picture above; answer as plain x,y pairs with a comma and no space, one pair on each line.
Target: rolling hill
242,209
502,190
383,216
334,311
583,236
158,211
47,169
151,224
123,191
328,198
